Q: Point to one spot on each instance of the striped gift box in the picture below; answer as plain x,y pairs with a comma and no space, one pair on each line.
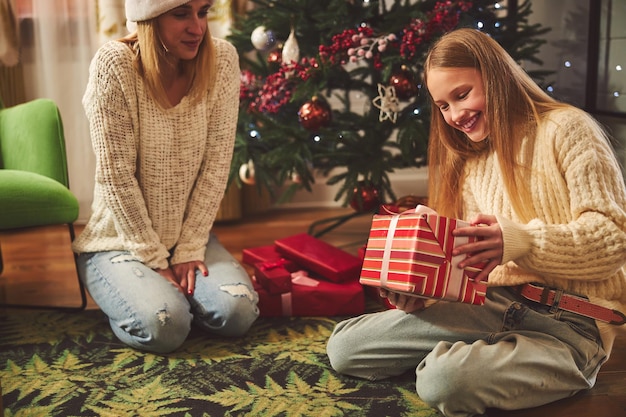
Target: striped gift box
411,253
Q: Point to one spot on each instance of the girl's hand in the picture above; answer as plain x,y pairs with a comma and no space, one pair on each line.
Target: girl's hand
186,274
489,248
403,302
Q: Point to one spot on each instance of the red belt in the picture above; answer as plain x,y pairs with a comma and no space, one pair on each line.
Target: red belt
560,300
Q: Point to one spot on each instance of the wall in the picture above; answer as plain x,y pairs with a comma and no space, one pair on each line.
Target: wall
410,181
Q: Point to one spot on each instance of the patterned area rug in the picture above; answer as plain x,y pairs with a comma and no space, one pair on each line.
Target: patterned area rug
62,364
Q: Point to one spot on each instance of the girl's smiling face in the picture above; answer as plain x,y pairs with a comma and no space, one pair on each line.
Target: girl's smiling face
459,95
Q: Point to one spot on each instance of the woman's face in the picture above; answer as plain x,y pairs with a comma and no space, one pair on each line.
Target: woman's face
459,95
182,29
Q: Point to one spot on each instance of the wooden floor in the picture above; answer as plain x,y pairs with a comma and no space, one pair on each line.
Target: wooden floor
39,268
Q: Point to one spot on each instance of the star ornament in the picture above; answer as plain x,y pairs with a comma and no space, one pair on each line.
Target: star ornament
387,102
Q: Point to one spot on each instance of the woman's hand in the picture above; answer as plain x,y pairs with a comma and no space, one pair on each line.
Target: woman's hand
403,302
168,274
185,274
488,248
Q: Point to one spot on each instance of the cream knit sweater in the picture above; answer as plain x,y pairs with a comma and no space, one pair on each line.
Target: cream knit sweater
578,239
160,174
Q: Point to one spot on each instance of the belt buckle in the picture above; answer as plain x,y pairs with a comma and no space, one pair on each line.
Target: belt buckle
558,293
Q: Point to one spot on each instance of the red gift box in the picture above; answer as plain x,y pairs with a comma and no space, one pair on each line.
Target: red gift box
268,255
361,252
319,257
412,253
313,298
275,278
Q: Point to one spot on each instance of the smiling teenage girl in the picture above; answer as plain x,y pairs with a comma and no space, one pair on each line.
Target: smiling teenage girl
541,180
162,106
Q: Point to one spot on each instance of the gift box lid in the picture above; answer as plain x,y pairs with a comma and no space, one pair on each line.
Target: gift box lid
320,257
268,256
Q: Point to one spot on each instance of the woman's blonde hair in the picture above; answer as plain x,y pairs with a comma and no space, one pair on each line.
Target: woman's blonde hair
151,57
513,109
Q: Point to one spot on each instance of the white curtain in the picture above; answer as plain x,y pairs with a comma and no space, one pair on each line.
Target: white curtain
110,20
57,45
61,37
9,36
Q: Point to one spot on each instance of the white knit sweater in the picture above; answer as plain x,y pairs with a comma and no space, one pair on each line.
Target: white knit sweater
160,174
578,239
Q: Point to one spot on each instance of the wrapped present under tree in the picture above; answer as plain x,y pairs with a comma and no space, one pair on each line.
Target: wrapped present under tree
312,297
322,258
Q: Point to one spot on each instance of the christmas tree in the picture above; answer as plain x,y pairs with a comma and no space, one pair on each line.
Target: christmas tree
333,86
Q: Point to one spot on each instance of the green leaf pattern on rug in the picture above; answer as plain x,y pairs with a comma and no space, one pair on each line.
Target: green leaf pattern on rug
57,364
151,399
306,346
56,382
51,328
297,398
415,406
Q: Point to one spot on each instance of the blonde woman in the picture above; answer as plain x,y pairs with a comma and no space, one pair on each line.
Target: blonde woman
541,186
162,106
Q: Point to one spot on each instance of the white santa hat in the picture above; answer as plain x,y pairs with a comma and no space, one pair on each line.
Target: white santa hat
140,10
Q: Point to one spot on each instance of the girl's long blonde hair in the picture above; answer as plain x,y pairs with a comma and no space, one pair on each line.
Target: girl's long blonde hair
514,106
151,57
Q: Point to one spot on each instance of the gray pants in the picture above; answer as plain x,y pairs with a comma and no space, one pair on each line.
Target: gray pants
509,353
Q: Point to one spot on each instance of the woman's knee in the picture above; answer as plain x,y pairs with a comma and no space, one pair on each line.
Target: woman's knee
162,331
230,312
237,318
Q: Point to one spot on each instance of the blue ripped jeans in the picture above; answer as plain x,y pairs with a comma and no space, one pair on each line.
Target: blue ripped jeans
508,353
148,313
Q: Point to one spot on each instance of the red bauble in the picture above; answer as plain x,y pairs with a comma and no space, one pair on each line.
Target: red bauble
404,83
369,197
314,114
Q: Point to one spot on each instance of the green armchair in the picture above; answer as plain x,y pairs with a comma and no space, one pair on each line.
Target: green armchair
34,185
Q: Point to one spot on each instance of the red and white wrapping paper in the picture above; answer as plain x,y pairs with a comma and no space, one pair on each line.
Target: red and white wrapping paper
412,253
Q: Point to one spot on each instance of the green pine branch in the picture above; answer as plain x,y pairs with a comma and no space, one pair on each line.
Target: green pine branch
355,147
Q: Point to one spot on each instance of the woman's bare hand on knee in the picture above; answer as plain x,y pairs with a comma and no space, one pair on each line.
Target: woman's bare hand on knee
168,274
186,274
